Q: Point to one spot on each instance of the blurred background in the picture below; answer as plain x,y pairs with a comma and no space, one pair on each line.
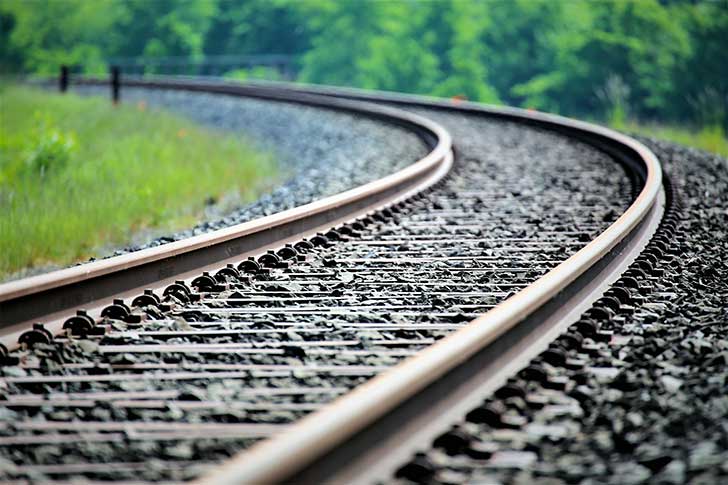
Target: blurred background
631,63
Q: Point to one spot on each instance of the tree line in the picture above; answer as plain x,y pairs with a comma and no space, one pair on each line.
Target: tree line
663,60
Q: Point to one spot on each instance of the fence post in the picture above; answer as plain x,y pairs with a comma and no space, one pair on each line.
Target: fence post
63,79
115,84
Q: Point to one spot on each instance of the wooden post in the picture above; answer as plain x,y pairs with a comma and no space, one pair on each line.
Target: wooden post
63,79
115,84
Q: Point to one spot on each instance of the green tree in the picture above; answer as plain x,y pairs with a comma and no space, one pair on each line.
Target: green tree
257,27
661,59
634,40
534,43
399,55
339,37
11,58
52,33
163,27
465,59
700,83
419,47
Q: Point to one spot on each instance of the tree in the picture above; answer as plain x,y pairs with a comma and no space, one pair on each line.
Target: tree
466,73
52,33
339,37
11,58
701,80
257,27
654,58
636,41
399,55
163,27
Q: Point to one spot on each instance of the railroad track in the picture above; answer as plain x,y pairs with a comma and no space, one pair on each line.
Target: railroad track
381,316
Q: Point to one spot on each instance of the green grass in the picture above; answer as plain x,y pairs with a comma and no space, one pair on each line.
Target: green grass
77,174
710,138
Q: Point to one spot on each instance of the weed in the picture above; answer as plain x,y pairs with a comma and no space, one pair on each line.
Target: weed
49,148
711,138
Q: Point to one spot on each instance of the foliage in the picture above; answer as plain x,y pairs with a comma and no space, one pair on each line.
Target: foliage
260,73
256,27
709,138
465,60
81,173
163,27
700,83
47,34
50,148
667,59
45,148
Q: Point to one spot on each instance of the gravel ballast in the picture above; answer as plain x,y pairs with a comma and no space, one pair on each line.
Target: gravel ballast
520,201
649,405
319,152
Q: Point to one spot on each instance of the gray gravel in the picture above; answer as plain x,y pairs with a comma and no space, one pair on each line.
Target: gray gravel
319,152
650,405
513,189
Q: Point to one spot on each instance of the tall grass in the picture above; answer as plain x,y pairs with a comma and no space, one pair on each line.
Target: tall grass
710,138
77,174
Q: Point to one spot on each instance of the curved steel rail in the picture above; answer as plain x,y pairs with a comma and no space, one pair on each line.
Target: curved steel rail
283,456
54,294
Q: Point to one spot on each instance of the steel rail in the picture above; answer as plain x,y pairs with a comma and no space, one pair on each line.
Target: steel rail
53,295
290,455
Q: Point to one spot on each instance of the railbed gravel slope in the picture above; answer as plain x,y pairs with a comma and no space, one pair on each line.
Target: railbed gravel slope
320,152
649,405
360,305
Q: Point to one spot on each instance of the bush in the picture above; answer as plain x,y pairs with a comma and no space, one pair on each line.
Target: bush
49,148
260,72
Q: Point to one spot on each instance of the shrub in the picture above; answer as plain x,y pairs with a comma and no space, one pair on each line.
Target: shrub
49,148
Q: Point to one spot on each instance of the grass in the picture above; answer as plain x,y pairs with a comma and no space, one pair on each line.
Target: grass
709,138
78,174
